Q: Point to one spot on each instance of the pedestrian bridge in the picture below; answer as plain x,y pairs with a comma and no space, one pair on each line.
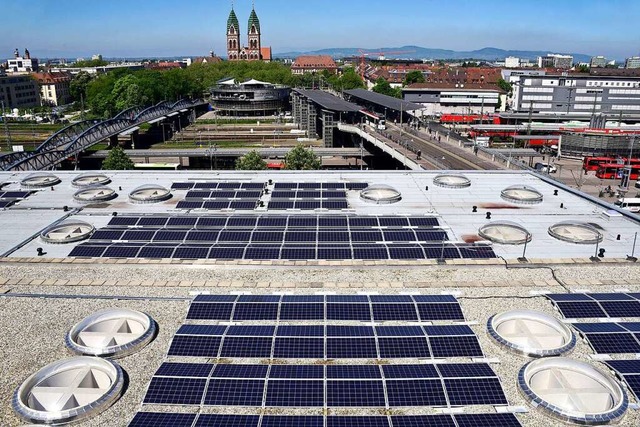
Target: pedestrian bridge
76,138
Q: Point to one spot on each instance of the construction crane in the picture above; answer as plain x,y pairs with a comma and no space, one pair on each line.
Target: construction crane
380,56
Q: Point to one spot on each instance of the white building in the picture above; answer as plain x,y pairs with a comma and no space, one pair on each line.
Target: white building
19,64
633,62
598,62
555,60
449,98
512,62
54,88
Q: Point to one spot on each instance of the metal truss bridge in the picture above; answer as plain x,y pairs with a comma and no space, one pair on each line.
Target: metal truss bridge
76,138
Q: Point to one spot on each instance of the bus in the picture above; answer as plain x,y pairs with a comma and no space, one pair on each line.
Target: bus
615,171
593,163
629,204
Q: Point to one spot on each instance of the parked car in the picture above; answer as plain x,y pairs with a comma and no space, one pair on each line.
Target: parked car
545,168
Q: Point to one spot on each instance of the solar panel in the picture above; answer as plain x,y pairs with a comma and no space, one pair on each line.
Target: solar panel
437,311
107,235
202,236
404,347
246,347
182,186
598,327
220,311
416,393
465,370
370,252
487,420
153,221
353,371
279,205
455,346
621,308
410,371
156,252
123,221
292,421
349,331
351,348
297,371
369,393
299,348
389,312
615,343
251,330
300,331
240,371
301,393
175,391
354,421
629,370
186,252
226,253
580,309
400,252
189,205
262,252
121,252
199,370
423,222
194,346
304,311
224,420
162,419
399,331
170,236
223,392
85,251
475,391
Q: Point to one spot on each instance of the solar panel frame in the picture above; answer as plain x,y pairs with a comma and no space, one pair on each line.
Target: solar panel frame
234,392
225,420
410,393
295,393
162,419
194,346
357,393
175,391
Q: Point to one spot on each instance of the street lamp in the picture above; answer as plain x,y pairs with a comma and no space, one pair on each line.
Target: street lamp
361,154
211,151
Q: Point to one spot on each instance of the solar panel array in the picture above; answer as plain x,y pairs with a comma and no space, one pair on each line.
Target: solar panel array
159,419
597,305
268,237
612,338
325,342
279,331
8,198
629,371
217,196
376,308
318,386
312,195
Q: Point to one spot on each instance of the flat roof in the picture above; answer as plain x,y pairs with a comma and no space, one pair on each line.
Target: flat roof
452,207
328,101
383,100
230,152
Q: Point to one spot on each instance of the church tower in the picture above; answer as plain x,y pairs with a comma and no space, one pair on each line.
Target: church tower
233,37
255,45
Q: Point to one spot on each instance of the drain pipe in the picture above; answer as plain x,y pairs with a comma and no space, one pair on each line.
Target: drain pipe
37,234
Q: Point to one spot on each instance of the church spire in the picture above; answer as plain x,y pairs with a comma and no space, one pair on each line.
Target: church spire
253,19
233,21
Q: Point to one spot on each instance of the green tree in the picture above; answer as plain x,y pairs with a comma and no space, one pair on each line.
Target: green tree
584,68
79,84
505,85
301,158
350,80
252,161
90,63
382,86
413,77
117,160
127,93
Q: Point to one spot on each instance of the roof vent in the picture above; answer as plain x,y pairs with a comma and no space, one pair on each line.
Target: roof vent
69,390
40,180
381,194
95,193
573,391
576,232
150,193
505,232
111,333
90,178
452,181
67,232
531,333
522,194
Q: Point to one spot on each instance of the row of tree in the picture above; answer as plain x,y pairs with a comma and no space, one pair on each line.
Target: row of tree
108,94
298,158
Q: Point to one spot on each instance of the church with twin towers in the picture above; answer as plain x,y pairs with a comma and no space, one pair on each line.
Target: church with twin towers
254,51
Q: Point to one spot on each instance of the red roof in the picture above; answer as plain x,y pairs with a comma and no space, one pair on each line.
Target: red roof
314,61
51,78
265,52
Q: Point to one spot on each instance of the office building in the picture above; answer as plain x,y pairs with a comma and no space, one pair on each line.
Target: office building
19,91
555,60
633,62
598,62
22,64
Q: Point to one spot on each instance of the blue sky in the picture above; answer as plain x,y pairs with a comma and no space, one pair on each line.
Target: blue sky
118,28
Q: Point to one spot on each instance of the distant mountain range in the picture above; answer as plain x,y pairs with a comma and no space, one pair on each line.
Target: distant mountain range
417,52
